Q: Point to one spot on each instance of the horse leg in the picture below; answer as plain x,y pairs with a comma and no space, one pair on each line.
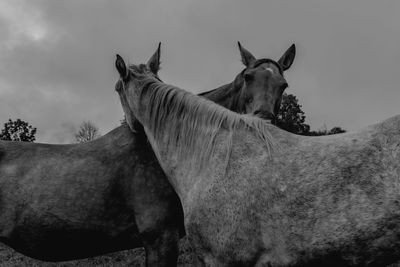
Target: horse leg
162,250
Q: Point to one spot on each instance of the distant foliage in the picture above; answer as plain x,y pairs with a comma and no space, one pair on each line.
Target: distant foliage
18,130
334,130
292,119
87,132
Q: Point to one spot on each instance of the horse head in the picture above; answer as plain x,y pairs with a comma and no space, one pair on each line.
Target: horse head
262,83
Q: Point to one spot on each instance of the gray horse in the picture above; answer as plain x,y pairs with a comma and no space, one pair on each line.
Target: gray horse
63,202
266,197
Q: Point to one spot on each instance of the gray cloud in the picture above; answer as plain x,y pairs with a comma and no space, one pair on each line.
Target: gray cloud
57,58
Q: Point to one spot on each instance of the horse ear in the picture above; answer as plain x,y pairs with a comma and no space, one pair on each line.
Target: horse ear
121,67
247,57
154,62
287,59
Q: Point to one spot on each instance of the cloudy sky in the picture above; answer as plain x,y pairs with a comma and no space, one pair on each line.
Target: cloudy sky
57,57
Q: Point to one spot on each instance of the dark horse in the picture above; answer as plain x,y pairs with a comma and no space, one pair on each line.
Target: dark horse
64,202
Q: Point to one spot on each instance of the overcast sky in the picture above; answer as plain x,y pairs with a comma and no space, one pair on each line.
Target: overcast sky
57,57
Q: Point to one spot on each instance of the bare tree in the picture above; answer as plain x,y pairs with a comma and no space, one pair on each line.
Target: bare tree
87,132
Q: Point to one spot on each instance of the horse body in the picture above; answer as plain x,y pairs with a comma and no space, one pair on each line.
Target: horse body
326,201
63,202
265,197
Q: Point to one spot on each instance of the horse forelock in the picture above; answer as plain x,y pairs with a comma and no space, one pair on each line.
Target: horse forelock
143,71
137,68
258,62
190,123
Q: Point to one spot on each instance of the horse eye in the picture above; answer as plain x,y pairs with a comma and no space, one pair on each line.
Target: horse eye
249,100
248,77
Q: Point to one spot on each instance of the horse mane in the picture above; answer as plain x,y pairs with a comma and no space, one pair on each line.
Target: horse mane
191,123
218,91
228,95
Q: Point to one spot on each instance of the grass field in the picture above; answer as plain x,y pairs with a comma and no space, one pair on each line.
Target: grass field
135,257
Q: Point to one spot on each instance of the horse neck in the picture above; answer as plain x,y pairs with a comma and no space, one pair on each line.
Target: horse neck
179,172
172,167
227,96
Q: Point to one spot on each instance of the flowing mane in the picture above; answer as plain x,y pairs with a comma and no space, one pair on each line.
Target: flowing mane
191,123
